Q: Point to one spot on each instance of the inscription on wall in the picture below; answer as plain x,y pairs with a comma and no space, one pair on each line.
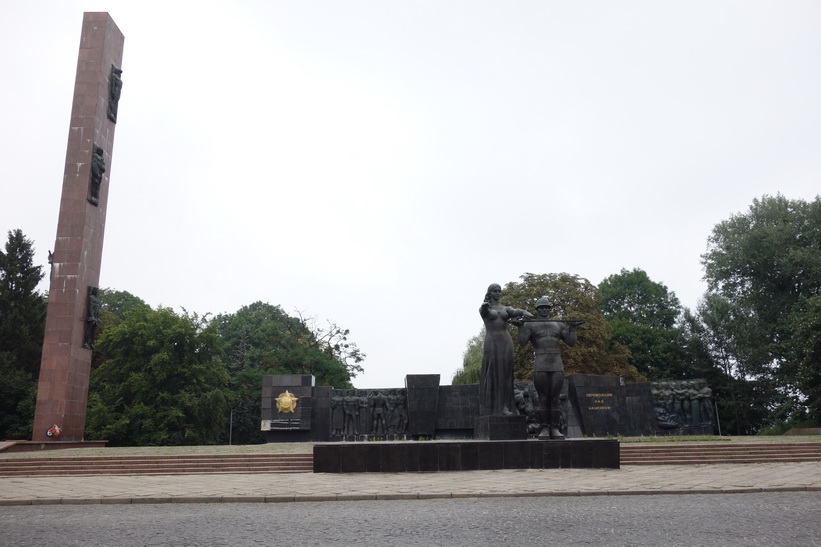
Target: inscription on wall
598,407
599,401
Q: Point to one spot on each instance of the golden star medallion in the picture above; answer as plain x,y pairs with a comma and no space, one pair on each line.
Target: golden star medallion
286,402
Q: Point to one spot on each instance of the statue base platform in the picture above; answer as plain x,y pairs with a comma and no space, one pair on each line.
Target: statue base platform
468,455
32,446
501,428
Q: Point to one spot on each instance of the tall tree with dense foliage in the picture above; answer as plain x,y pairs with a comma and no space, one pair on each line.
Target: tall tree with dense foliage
22,325
643,314
162,382
22,308
262,339
574,297
471,370
806,352
114,305
766,265
632,296
742,393
705,360
118,303
266,338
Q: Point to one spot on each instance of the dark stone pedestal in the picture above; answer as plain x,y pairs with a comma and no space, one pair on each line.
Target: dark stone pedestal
501,428
397,457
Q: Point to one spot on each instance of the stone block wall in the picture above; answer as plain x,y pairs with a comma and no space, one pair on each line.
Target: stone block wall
593,406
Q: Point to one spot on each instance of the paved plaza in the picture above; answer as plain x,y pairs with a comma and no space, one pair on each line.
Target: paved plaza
324,487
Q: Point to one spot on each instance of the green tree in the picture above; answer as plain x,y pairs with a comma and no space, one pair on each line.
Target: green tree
161,383
114,305
267,339
805,346
699,345
262,339
22,308
744,394
574,297
118,303
18,393
332,341
632,296
643,315
471,370
22,326
254,337
766,264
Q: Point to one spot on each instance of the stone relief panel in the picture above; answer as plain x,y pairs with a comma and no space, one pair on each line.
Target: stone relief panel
369,412
683,403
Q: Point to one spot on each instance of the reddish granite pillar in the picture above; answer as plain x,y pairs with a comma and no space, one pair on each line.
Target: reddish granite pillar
62,393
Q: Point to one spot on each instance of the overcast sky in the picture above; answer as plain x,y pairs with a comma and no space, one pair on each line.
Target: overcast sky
379,164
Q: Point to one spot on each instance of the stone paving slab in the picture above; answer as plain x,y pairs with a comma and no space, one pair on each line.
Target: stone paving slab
295,487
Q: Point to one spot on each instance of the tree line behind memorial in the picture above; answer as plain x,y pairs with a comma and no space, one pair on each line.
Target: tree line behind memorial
166,378
755,335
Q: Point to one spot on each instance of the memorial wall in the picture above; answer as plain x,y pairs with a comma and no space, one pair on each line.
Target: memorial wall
294,410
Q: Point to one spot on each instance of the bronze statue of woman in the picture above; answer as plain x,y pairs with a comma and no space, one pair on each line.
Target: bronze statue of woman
496,381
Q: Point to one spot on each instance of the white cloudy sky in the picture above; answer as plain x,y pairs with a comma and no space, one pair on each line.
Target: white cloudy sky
380,163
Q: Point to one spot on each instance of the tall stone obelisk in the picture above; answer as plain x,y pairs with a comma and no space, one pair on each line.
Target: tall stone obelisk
62,393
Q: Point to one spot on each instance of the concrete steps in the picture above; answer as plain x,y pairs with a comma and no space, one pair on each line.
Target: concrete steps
718,452
157,465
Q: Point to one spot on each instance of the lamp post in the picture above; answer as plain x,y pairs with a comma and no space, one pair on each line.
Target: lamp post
231,428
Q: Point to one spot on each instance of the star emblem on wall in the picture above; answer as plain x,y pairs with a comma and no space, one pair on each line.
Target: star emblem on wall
286,402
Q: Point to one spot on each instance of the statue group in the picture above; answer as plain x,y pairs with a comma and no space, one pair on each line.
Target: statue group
683,403
379,413
497,396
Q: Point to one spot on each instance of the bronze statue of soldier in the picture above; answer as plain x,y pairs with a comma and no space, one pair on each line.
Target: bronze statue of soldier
548,371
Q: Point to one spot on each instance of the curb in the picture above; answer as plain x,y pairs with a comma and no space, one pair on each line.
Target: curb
389,497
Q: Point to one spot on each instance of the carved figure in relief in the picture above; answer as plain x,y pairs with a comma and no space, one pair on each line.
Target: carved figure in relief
681,396
704,401
379,411
401,412
337,413
350,405
393,416
96,177
92,318
115,87
524,404
364,415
